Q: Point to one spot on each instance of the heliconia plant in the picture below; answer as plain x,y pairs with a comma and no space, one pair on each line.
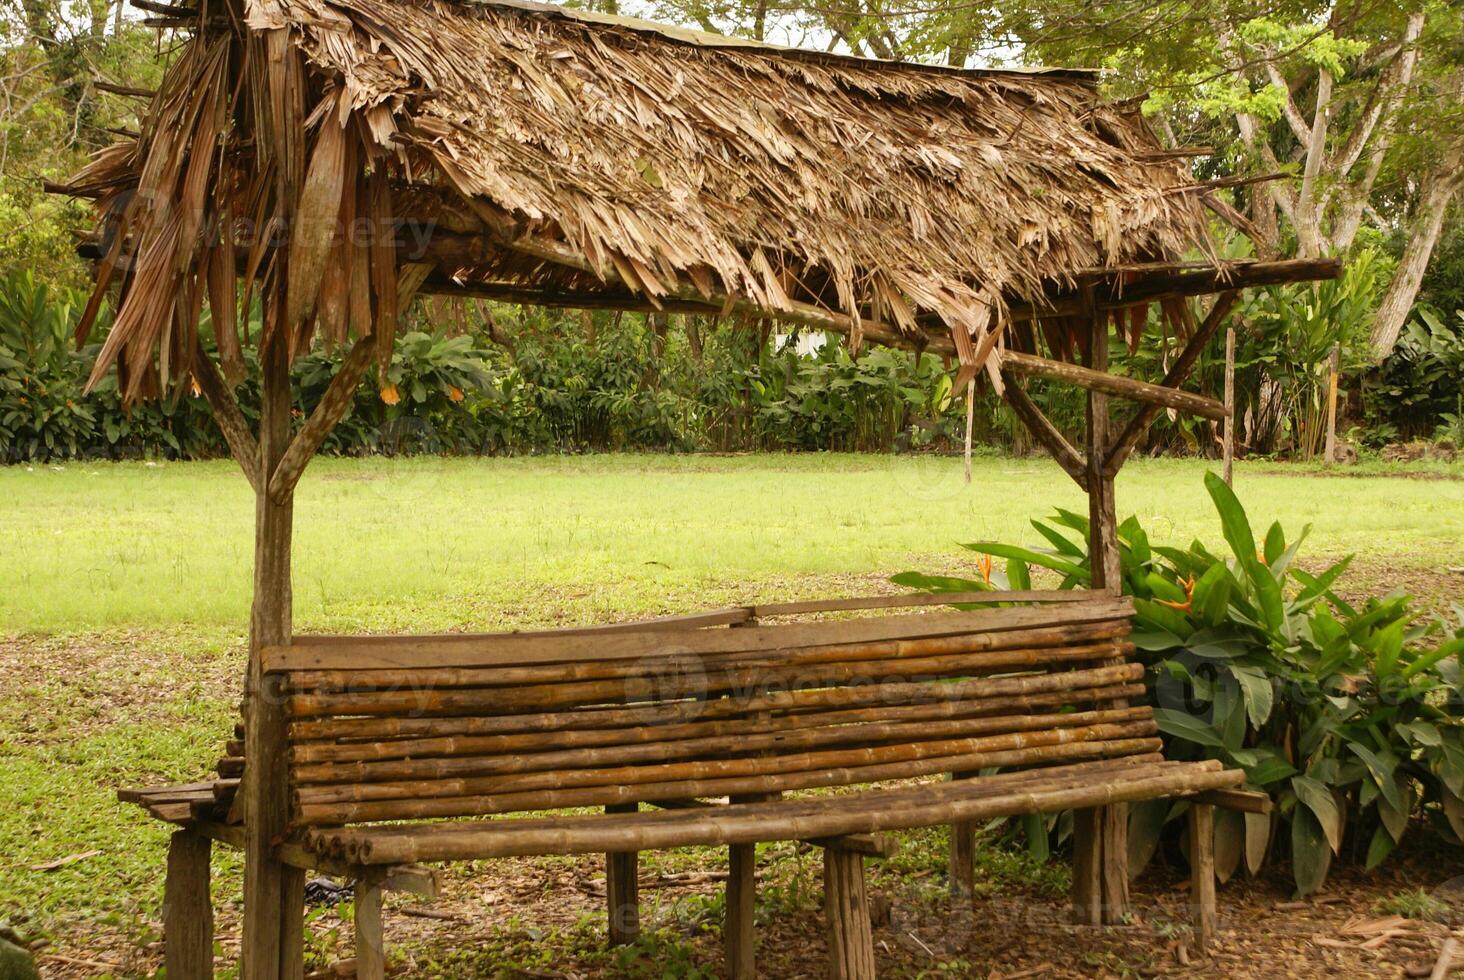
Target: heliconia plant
1348,715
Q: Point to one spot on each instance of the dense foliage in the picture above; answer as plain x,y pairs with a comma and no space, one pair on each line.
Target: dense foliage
1347,714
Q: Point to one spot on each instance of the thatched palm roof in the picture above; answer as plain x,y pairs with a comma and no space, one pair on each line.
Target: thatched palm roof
534,152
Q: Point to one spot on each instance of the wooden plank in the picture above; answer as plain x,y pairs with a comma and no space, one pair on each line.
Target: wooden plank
1113,384
370,940
1247,801
506,649
188,932
714,617
739,936
763,610
1202,874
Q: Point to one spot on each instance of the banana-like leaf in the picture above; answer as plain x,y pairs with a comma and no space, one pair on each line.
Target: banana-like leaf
1311,853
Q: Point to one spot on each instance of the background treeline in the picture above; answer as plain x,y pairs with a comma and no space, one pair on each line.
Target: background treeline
490,379
1356,111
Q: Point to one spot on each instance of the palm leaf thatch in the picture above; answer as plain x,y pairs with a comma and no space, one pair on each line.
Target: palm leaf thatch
342,155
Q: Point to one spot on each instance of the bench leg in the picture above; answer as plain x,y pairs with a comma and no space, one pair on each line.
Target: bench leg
846,907
963,859
292,923
1087,867
370,943
622,888
187,911
1202,874
1115,864
737,929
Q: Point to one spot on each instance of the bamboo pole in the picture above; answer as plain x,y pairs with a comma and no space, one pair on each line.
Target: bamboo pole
624,718
750,824
1097,379
758,724
405,678
738,680
776,775
1334,369
552,770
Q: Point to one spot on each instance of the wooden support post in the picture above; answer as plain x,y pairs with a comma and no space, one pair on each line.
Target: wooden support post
1112,821
970,421
846,908
738,933
187,911
1228,471
622,888
1334,370
1087,865
292,923
963,854
1202,873
270,895
370,942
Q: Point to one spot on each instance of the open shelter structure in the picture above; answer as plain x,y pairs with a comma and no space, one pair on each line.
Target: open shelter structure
330,160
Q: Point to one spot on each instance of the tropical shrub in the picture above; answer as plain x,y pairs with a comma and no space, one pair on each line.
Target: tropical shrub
1348,715
1416,390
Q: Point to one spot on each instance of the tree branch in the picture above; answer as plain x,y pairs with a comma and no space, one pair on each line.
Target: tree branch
332,408
226,413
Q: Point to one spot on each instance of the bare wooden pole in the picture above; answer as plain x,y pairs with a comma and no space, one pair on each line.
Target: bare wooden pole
846,908
1087,867
1334,369
963,854
1104,566
622,888
1229,444
739,937
370,942
970,421
1094,379
1202,873
269,893
187,910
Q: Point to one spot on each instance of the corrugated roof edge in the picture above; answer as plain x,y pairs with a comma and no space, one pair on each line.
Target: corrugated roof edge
705,39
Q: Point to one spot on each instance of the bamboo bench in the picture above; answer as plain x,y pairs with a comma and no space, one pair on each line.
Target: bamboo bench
405,751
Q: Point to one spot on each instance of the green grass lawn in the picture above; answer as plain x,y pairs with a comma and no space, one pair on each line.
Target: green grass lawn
126,588
441,544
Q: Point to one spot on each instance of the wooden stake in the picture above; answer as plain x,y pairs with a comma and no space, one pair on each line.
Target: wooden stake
970,421
846,908
738,933
963,854
1087,866
265,781
1333,375
622,887
370,942
1202,873
1229,444
187,910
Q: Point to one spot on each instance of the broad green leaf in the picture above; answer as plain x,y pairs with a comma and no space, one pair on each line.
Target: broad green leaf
1382,767
1229,842
1311,854
1233,521
1271,768
1059,541
1381,846
1275,543
998,550
1256,689
1145,826
1188,727
1155,640
1212,595
1257,840
1034,828
1316,587
1396,818
1454,811
1318,799
1018,578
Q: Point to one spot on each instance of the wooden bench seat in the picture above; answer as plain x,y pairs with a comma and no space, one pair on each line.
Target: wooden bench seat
714,730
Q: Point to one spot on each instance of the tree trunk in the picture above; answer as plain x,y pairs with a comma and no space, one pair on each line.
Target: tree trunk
1434,197
270,893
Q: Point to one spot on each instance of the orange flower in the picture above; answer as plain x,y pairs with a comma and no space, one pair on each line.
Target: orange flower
1189,597
196,390
984,564
455,393
1261,557
390,395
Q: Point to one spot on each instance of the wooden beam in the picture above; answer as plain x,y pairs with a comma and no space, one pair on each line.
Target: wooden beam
622,888
1112,384
739,934
188,934
846,910
1246,801
1173,378
228,416
1044,431
332,408
1202,874
1087,864
370,939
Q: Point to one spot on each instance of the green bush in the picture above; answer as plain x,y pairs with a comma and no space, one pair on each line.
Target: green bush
1347,715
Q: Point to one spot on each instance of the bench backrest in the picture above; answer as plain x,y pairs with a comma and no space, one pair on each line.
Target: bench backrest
429,727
